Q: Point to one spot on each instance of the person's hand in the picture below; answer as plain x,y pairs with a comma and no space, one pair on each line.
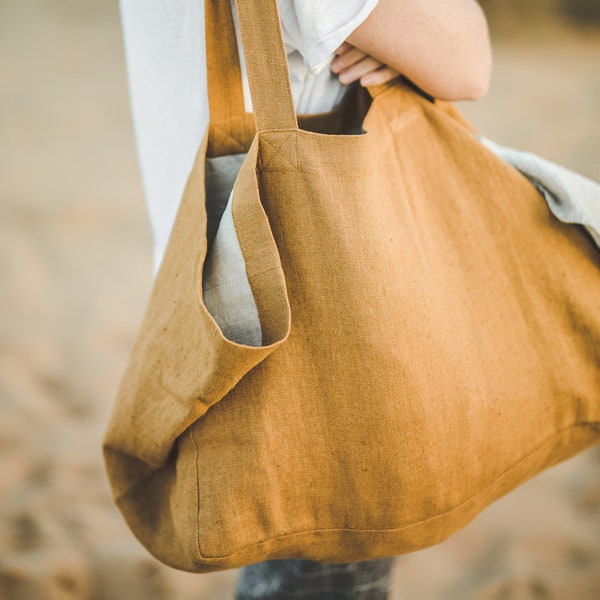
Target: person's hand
350,64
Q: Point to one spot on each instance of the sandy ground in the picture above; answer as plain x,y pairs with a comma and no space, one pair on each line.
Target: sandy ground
75,273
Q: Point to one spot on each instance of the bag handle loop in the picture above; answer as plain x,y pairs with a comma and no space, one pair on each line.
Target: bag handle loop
223,71
266,63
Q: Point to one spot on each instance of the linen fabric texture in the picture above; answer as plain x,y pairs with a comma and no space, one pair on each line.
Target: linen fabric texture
429,332
571,197
164,45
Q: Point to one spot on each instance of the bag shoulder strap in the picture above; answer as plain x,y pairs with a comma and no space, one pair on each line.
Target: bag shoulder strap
266,63
223,71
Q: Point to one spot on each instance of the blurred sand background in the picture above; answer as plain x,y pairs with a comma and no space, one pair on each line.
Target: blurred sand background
75,273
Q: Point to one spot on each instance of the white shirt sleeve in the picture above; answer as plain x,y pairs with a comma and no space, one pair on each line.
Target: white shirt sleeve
317,27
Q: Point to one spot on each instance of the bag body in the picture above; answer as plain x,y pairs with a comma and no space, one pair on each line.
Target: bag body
429,333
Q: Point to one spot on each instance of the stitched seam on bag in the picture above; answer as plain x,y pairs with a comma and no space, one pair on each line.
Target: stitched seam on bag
197,536
334,162
241,278
237,142
277,152
593,424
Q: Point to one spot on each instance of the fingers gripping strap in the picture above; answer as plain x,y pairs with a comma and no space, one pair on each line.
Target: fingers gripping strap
266,64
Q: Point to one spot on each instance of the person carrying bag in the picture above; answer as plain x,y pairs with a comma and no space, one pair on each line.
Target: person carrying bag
366,346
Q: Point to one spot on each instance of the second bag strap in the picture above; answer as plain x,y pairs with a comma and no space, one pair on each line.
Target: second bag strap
223,71
266,63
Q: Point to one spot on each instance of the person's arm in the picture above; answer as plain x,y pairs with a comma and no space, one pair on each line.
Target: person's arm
440,45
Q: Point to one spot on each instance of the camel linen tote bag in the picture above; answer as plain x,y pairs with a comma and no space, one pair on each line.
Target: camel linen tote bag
429,333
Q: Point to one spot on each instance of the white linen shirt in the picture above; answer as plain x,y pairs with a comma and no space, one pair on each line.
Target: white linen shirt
165,52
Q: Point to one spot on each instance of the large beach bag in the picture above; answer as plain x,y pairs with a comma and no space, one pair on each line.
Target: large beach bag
401,332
